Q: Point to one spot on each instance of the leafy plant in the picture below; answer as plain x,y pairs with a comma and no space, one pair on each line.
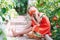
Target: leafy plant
5,6
21,7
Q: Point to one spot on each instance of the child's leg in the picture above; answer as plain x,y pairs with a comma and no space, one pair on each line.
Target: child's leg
47,37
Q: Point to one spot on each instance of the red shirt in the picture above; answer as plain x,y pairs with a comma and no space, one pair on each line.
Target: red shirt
44,27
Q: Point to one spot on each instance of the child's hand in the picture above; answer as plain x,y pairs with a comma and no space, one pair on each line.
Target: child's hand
37,24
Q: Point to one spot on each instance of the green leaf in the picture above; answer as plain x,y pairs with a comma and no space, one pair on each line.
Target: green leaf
4,38
1,31
3,10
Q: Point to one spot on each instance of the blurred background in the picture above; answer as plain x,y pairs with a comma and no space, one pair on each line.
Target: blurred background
11,8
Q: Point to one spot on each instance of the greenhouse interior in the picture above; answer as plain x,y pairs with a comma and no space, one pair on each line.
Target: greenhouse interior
29,19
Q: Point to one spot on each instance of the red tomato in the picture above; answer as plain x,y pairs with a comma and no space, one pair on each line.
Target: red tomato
55,18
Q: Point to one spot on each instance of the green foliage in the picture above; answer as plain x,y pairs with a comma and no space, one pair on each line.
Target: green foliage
5,6
21,7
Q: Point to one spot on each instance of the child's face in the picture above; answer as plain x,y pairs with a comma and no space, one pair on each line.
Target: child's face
32,10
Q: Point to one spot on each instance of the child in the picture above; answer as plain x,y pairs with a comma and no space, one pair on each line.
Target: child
40,23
